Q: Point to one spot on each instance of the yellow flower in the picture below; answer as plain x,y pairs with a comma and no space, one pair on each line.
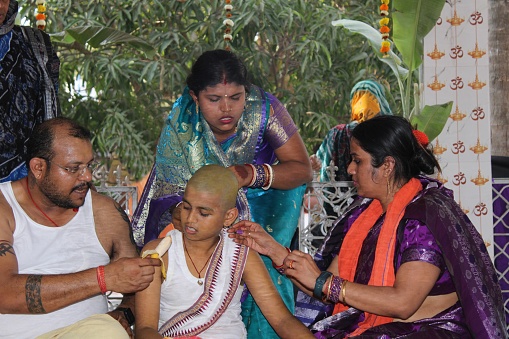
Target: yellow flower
41,8
384,22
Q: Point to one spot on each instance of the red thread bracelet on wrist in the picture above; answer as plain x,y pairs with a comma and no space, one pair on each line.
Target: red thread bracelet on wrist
278,267
101,279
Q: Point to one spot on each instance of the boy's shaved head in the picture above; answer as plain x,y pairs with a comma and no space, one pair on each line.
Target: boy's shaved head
217,180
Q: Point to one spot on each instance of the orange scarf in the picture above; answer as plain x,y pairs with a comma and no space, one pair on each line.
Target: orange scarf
383,268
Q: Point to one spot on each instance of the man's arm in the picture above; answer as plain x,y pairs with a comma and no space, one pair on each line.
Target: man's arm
34,294
114,227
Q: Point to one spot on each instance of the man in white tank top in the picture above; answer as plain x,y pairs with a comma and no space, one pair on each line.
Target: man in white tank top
63,245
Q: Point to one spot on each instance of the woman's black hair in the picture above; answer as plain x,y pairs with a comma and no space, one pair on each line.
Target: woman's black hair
387,135
214,67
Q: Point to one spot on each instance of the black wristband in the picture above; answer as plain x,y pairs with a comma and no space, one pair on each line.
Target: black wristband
320,281
128,314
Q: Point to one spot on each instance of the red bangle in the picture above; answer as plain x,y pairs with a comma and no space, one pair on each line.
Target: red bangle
101,279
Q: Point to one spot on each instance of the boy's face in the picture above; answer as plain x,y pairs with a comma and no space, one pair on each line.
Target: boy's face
202,215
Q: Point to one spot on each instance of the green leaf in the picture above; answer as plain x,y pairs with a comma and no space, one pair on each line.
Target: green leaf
103,36
431,120
412,21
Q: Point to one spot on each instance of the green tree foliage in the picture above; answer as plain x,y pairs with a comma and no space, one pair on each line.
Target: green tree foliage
133,57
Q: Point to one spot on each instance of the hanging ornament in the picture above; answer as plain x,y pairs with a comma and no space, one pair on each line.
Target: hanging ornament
228,22
384,28
40,16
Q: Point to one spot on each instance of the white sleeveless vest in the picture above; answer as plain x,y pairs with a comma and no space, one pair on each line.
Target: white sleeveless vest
53,250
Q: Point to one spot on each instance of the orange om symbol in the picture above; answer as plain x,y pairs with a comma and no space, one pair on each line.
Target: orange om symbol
458,147
456,52
476,18
478,114
480,209
459,179
457,83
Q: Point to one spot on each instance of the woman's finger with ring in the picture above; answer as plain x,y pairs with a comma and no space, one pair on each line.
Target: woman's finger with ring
290,264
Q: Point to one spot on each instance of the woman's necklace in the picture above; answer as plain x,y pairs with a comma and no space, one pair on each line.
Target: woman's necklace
30,194
200,282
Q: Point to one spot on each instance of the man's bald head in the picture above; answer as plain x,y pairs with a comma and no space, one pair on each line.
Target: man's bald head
217,180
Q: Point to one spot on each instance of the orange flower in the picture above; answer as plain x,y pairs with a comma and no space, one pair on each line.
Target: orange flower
385,29
384,7
386,47
421,137
40,16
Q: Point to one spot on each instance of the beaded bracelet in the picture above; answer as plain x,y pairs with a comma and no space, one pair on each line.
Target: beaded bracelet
270,177
280,268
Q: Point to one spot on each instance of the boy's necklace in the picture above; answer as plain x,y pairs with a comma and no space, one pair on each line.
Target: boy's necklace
200,282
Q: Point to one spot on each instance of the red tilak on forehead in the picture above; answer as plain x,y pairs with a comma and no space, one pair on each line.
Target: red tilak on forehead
224,81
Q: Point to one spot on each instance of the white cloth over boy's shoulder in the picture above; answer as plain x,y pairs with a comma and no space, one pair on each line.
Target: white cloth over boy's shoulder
180,292
45,250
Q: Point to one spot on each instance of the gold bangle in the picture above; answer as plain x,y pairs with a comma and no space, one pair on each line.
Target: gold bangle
326,297
343,291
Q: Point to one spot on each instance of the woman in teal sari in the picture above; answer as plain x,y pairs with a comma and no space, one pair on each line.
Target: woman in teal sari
222,119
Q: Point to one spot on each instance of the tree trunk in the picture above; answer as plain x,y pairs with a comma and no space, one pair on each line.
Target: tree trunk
499,76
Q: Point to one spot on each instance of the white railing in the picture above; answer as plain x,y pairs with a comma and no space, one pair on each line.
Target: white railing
323,203
501,237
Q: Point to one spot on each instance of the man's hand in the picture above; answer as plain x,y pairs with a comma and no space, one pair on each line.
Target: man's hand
129,275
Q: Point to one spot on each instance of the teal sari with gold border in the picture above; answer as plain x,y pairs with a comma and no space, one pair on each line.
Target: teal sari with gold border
187,143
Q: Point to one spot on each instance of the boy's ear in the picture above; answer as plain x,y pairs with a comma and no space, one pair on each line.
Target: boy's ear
230,216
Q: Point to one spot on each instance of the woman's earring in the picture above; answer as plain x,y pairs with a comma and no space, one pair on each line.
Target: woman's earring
197,108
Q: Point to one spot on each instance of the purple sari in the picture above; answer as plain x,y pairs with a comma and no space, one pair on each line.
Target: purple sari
479,313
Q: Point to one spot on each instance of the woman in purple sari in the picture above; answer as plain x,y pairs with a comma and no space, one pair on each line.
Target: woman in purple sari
222,119
404,262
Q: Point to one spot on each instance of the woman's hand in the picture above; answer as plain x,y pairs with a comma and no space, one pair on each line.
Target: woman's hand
254,236
243,174
301,267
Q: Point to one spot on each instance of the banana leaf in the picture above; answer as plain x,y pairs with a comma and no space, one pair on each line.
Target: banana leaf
412,21
374,38
431,120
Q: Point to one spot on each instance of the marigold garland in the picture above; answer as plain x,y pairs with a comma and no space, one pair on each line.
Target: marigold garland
384,28
40,16
228,22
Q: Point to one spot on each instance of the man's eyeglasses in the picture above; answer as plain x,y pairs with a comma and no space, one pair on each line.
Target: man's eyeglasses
78,170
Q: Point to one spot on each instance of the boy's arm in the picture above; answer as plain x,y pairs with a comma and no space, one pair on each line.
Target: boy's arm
148,301
267,298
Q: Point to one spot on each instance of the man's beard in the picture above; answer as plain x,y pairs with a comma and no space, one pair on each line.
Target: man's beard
47,188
